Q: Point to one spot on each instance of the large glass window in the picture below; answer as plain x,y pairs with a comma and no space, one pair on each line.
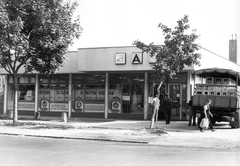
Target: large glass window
26,92
54,92
126,93
78,92
44,91
88,92
133,98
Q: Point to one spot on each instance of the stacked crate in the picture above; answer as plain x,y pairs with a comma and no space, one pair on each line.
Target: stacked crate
217,87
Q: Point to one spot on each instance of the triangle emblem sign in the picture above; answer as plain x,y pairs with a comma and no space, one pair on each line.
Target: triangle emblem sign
137,58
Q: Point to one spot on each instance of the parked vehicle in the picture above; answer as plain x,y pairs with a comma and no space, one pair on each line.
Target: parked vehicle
222,87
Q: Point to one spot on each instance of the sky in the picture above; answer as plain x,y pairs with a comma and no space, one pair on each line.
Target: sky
109,23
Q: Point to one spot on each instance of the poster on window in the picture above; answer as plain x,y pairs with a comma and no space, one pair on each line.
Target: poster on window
66,95
59,95
126,96
91,94
100,94
79,93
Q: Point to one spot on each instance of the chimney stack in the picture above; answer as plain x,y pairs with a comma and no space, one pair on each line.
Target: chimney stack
233,49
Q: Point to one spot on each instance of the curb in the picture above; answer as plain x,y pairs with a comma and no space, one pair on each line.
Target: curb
75,138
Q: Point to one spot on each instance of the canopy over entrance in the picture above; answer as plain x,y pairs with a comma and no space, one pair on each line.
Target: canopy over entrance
218,72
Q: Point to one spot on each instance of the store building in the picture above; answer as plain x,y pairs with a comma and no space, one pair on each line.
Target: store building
107,82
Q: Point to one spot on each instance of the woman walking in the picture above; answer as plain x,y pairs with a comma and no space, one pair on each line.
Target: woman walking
206,114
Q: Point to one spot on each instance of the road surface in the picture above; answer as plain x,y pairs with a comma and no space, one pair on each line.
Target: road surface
32,151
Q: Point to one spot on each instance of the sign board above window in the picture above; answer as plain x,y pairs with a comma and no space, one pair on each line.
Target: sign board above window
137,58
120,58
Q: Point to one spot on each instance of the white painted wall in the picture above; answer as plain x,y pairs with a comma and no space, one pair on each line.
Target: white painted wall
103,59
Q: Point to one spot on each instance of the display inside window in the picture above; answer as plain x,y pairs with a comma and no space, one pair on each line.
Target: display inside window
44,92
133,78
23,79
44,79
59,93
26,92
27,79
78,79
95,78
60,79
133,95
115,78
78,93
91,94
95,92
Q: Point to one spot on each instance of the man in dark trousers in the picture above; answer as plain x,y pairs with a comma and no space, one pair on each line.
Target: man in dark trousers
167,105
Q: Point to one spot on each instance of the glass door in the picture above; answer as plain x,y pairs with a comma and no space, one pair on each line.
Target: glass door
175,93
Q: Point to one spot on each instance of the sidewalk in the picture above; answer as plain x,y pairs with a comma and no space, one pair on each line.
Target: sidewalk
178,133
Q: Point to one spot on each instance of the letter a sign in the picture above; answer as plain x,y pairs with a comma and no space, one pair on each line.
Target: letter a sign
137,58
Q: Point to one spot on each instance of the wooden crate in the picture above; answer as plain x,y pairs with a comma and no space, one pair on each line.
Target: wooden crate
200,100
217,101
218,81
209,80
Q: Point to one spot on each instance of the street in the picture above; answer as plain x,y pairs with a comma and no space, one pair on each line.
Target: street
26,151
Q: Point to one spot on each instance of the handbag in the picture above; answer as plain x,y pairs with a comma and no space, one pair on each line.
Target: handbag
204,123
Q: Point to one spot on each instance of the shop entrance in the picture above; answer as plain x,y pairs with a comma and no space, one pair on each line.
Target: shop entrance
175,93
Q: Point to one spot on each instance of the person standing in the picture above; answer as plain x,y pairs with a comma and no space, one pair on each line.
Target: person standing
155,103
206,114
167,105
192,113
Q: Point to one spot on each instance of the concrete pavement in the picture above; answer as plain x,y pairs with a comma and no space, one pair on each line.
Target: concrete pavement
177,133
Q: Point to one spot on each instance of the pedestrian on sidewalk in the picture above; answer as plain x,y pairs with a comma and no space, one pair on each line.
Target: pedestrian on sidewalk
206,113
167,105
155,103
192,113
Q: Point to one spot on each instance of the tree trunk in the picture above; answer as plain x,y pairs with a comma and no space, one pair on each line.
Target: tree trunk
155,112
15,100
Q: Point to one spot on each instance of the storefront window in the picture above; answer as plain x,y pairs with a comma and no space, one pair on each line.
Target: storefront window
44,90
132,98
126,93
133,92
78,92
58,92
26,93
115,98
54,92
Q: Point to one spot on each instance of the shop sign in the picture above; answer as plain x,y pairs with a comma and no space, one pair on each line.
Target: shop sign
44,103
126,96
26,106
120,58
137,58
78,105
94,108
58,106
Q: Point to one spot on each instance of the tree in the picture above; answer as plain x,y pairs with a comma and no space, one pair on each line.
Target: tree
35,36
179,50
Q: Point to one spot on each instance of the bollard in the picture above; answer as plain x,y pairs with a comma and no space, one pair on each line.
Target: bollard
64,116
37,116
10,114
